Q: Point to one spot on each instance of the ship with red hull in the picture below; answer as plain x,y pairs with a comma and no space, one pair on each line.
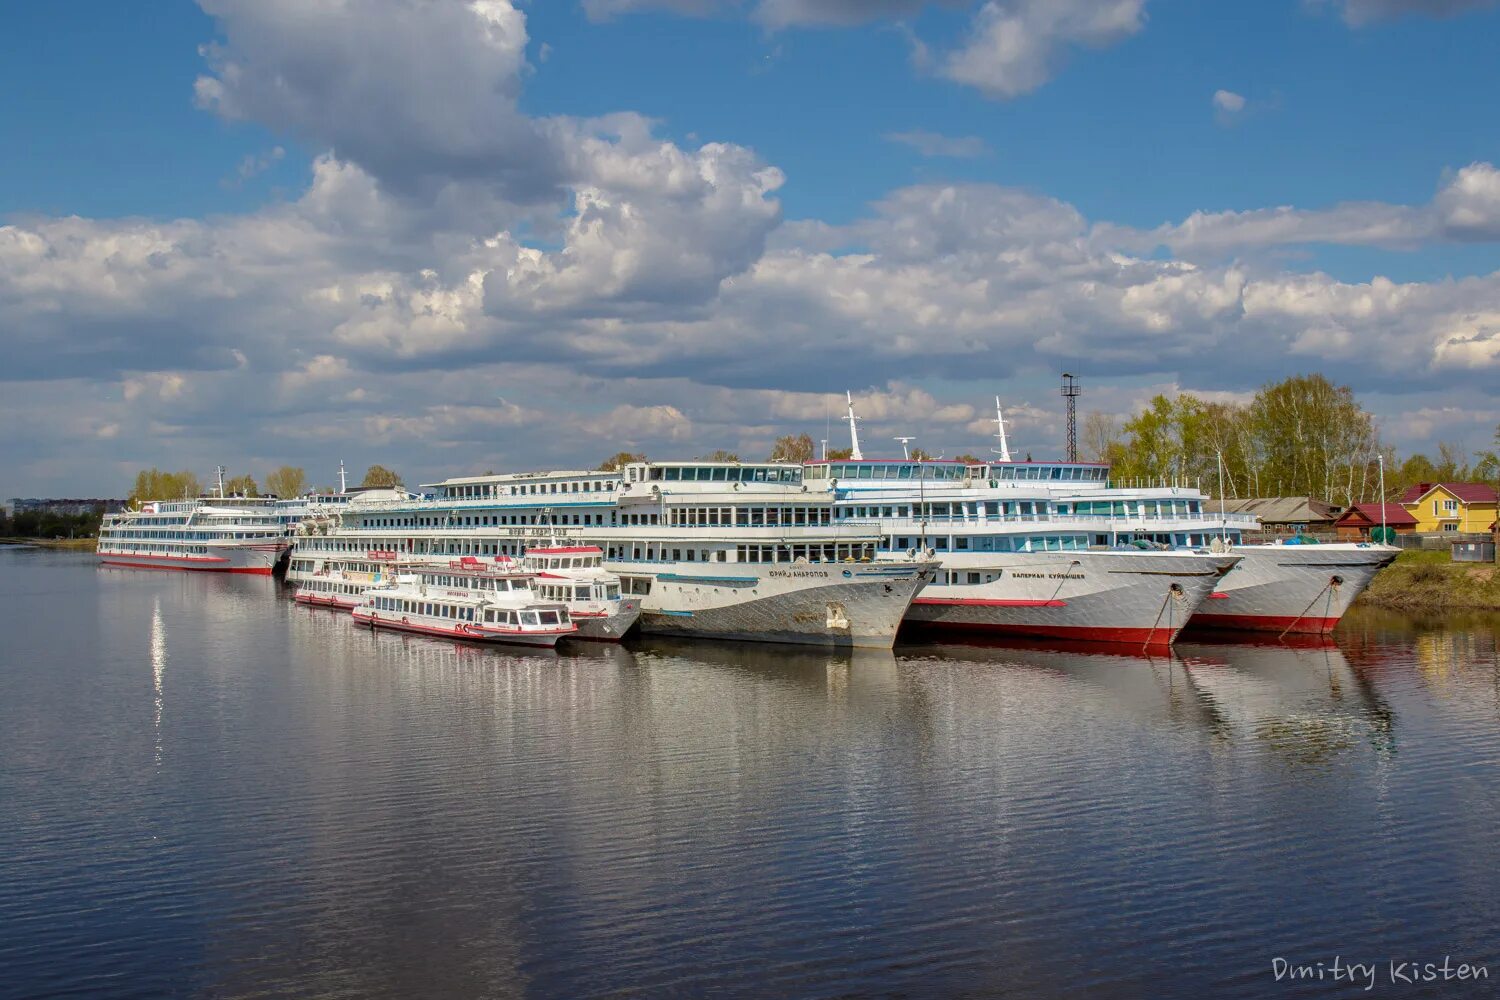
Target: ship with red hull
1296,589
196,536
1136,599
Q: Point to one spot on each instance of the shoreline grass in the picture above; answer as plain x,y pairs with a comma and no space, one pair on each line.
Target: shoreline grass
78,544
1421,581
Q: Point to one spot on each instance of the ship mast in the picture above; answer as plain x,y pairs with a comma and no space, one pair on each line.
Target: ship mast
854,452
343,484
219,473
905,451
1004,450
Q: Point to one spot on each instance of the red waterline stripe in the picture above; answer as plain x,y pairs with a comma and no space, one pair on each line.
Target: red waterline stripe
1136,637
978,602
1308,624
193,569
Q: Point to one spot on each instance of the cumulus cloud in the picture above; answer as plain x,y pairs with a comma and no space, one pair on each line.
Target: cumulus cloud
1015,46
417,301
935,144
1465,208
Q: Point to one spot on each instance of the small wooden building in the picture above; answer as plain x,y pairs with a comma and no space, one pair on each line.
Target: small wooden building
1355,524
1283,515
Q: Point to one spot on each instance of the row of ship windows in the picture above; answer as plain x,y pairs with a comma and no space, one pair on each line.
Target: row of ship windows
149,548
493,491
999,473
196,534
499,616
726,474
991,543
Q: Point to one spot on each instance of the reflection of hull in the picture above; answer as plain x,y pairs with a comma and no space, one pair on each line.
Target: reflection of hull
829,604
1296,588
1127,598
607,627
468,633
258,559
326,601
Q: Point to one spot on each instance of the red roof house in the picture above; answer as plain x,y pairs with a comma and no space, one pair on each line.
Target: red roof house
1355,523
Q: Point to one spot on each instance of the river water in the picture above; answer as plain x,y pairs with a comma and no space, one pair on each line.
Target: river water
207,790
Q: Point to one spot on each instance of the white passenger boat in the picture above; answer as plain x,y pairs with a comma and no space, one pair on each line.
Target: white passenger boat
341,583
198,535
712,549
575,575
454,605
1293,588
1030,507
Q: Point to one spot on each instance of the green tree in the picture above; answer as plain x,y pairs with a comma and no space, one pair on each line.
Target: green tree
619,460
968,459
241,486
287,481
380,476
154,484
1487,463
920,455
1314,439
840,454
720,455
792,448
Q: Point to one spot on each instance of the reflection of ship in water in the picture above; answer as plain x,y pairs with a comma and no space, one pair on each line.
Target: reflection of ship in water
1304,701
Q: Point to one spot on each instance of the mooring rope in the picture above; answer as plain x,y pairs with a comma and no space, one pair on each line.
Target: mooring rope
1328,588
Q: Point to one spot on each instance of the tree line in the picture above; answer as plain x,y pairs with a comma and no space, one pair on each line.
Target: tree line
1301,436
286,481
50,524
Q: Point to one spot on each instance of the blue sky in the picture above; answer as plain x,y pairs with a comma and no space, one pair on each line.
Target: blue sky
281,231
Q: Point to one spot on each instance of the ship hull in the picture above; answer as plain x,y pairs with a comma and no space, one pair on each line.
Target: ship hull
1301,589
857,605
607,627
1114,598
255,560
545,640
326,601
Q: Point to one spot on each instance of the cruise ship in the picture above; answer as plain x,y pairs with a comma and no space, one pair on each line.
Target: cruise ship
1015,566
1010,506
203,535
714,549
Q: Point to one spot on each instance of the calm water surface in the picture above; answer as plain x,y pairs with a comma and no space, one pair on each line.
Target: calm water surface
206,790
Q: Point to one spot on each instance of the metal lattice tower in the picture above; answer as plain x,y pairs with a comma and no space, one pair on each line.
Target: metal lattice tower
1071,390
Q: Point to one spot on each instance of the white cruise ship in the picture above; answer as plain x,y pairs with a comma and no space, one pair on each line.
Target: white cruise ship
1015,566
1012,507
205,535
713,549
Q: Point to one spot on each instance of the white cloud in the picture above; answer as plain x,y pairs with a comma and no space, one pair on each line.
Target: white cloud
935,144
1228,106
652,298
1015,46
1228,102
1466,208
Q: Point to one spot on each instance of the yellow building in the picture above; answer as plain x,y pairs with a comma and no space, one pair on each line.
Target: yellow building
1455,507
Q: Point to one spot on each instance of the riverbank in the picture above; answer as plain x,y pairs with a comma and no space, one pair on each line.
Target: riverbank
78,544
1431,581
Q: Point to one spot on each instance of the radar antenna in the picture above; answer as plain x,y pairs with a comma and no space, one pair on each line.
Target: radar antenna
854,451
905,451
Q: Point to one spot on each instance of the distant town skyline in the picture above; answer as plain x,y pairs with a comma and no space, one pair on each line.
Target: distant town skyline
449,236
